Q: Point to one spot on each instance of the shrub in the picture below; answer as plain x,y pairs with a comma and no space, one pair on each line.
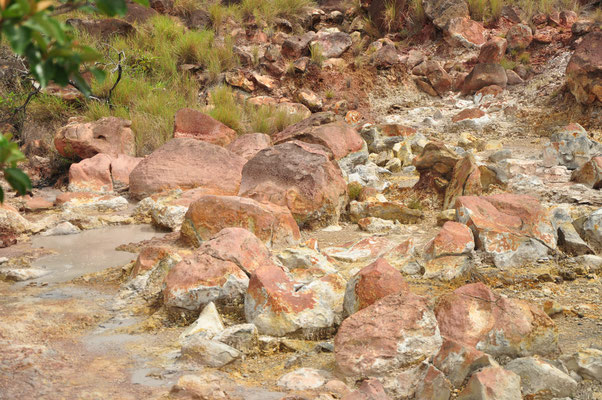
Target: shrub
316,55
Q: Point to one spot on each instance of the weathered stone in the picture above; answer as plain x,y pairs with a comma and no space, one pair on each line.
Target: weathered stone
299,176
483,75
514,229
493,51
108,135
584,71
370,389
208,215
243,337
390,335
433,386
384,210
589,174
458,361
297,46
363,250
208,352
590,229
332,44
436,158
207,325
492,383
303,379
478,317
519,37
91,175
541,379
194,124
441,12
187,163
465,181
466,32
570,146
587,363
104,27
121,167
306,264
453,239
371,284
249,144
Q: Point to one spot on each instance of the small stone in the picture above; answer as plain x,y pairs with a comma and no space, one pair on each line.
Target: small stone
208,352
207,325
303,379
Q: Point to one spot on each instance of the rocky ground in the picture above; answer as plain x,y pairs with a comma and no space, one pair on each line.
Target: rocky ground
431,232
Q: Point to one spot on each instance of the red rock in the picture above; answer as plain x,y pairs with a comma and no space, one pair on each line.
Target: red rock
300,176
186,164
476,316
209,214
484,75
453,239
239,246
466,32
387,337
584,71
386,57
545,35
457,360
514,229
108,135
200,279
194,124
91,175
465,181
425,87
459,81
433,386
391,130
339,137
493,51
519,37
370,389
148,258
468,113
121,168
37,204
589,174
492,383
371,284
437,76
568,18
248,145
491,90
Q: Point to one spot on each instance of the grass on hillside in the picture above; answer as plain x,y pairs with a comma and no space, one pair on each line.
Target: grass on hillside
481,10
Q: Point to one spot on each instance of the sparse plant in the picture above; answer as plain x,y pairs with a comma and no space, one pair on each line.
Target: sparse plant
508,64
290,67
524,58
329,94
255,56
316,55
390,15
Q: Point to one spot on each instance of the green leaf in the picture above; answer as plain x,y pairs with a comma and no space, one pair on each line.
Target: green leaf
18,37
99,75
145,3
1,195
112,7
18,180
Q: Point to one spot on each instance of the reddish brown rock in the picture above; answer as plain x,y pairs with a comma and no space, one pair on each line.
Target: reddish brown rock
426,87
437,76
200,279
469,113
370,389
396,130
441,12
391,335
589,174
186,164
297,46
493,51
436,158
584,71
194,124
484,75
492,383
209,214
108,135
478,317
148,258
519,37
371,284
250,144
300,176
240,247
121,168
453,239
465,181
37,204
91,175
457,360
545,35
433,386
466,32
338,137
513,229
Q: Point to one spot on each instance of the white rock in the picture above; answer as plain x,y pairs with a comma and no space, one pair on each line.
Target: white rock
22,274
243,337
64,228
303,379
209,352
587,363
539,378
207,325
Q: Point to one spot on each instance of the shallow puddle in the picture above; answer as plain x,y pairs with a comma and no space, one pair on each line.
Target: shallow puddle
88,251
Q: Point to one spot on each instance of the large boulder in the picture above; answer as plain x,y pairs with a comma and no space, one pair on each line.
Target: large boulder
514,229
249,144
209,214
441,12
109,135
300,176
332,44
194,124
483,75
187,163
570,146
542,379
278,307
388,340
584,71
465,181
478,317
338,137
519,37
493,51
492,383
371,284
102,173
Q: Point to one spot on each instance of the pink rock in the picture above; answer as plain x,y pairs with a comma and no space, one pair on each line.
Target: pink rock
453,239
299,176
148,258
108,135
200,279
91,175
368,248
493,51
457,361
465,181
370,389
492,383
240,247
371,284
194,124
469,113
392,334
433,386
519,37
37,204
476,316
514,229
209,214
466,32
186,164
121,168
250,144
339,137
